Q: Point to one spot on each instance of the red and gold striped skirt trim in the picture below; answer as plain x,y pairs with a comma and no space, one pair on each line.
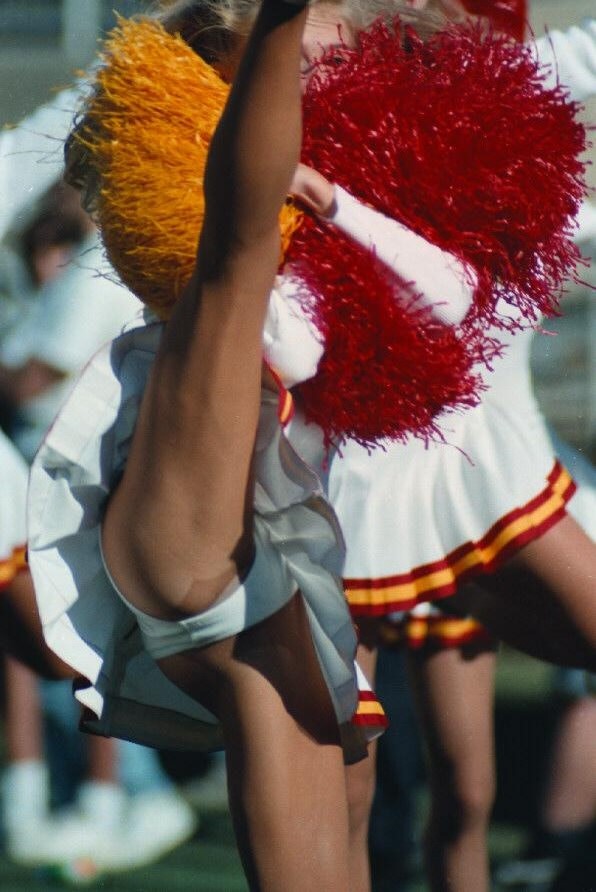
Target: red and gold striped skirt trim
436,632
369,712
429,582
285,404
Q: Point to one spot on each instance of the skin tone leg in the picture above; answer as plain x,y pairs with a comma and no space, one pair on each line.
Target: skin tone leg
189,479
570,800
192,449
454,698
542,601
20,630
360,779
102,760
286,780
23,728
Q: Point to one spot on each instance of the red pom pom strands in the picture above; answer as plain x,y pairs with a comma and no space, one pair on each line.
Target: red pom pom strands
457,139
389,368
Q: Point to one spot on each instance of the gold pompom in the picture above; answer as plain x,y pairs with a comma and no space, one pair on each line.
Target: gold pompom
146,130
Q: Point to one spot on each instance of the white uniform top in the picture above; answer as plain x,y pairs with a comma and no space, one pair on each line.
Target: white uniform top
570,57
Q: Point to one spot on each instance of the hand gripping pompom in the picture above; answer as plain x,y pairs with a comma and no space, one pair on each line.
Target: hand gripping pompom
458,139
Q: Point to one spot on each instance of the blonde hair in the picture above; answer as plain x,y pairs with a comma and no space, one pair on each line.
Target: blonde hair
427,21
212,26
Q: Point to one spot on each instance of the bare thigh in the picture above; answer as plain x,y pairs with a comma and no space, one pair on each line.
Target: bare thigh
275,654
543,601
285,764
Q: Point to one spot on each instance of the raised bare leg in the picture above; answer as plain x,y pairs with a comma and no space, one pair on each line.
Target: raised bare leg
286,773
192,448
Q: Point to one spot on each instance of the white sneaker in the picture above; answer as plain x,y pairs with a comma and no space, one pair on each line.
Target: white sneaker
84,831
152,825
157,823
25,809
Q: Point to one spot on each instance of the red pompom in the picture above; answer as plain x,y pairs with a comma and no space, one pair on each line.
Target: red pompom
389,367
458,139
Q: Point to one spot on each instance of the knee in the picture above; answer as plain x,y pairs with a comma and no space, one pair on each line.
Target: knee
476,798
463,800
360,785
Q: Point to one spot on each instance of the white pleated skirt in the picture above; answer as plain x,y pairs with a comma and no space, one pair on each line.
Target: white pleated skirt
298,543
418,520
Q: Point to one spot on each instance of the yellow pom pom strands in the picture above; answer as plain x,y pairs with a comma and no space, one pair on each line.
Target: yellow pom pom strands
146,132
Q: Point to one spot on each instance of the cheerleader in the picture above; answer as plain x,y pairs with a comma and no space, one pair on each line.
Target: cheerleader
452,658
387,514
419,522
46,556
201,600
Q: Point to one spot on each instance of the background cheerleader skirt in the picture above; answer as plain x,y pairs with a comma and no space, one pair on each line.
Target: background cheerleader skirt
420,519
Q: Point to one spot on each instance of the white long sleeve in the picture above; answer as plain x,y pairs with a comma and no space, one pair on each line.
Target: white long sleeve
570,57
291,343
442,281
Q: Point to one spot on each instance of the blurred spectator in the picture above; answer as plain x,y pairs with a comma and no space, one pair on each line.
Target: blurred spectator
64,310
55,311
